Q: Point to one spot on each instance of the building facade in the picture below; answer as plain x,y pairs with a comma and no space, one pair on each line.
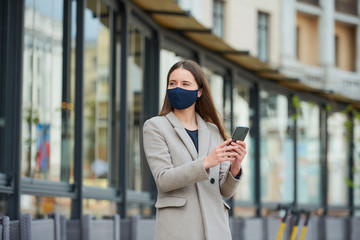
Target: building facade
78,79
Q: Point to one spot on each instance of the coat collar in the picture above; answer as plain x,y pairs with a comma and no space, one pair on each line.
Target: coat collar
203,135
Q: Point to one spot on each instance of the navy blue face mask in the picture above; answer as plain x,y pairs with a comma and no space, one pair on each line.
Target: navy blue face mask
181,98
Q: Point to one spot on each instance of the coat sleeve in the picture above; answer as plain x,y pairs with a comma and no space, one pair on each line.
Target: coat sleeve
228,183
166,175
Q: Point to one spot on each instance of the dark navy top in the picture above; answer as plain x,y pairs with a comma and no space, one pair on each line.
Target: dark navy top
194,137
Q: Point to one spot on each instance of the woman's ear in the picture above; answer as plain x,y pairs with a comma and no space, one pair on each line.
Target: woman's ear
199,92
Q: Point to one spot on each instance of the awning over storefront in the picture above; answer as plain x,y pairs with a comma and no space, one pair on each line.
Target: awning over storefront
169,15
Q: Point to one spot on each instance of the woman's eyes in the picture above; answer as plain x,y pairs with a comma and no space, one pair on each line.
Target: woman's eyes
184,84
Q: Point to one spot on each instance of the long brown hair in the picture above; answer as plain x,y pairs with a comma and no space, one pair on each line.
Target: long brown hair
204,106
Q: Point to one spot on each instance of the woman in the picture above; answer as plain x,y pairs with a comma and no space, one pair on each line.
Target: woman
192,165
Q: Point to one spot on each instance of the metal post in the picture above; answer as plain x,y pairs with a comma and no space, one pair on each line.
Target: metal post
228,89
112,100
294,110
13,94
76,205
65,111
255,135
350,170
324,149
123,153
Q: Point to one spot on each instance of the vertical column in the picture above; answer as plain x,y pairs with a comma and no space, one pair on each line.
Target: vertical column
288,33
76,204
327,38
294,110
65,112
351,165
13,71
324,161
123,141
255,134
326,33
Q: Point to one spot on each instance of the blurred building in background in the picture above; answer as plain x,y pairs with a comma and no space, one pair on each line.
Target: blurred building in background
79,78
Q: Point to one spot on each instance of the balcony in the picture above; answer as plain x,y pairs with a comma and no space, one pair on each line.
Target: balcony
313,2
347,6
333,79
344,82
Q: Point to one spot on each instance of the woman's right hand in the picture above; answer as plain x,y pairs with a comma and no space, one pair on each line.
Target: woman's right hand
222,152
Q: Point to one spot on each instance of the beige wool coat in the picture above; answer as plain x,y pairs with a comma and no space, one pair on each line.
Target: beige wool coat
189,205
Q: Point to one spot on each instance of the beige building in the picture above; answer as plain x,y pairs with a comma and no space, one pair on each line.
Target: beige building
314,41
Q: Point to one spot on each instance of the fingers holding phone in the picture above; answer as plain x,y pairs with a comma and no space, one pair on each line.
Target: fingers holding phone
238,138
223,152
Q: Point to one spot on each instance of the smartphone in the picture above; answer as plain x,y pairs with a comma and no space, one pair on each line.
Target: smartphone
240,133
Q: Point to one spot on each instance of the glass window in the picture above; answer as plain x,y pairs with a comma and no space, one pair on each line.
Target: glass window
167,60
216,83
241,116
138,168
4,203
218,18
276,153
40,207
337,155
135,209
308,154
99,208
263,36
356,169
42,90
96,95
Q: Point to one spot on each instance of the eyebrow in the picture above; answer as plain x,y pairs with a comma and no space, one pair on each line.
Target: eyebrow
173,80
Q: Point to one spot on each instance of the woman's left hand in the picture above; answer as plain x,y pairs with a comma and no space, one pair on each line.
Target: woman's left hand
241,152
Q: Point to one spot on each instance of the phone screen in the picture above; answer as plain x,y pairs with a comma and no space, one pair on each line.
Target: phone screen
240,133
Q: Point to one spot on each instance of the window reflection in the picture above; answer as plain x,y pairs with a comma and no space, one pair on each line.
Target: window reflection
135,209
216,83
167,59
40,207
138,169
4,203
276,153
99,208
42,89
337,155
96,94
356,169
241,116
308,154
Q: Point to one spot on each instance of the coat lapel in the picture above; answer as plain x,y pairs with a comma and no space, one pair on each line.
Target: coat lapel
184,136
204,136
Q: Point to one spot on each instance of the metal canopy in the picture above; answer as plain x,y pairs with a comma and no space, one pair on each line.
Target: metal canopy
178,22
169,15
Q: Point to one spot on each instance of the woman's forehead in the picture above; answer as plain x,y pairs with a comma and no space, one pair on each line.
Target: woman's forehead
181,74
